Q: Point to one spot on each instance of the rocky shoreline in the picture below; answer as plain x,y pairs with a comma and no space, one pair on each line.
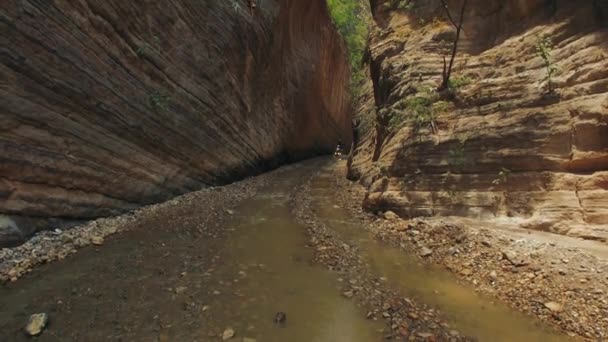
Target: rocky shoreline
557,282
49,246
406,320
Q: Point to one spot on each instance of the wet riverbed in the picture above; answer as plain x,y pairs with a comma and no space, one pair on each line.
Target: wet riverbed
466,310
171,279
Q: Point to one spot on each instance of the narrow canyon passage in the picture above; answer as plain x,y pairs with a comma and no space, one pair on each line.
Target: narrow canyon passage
171,279
165,172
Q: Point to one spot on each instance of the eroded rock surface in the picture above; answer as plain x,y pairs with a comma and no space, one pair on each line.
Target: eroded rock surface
106,106
504,147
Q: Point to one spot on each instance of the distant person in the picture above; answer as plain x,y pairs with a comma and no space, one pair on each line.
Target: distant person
338,151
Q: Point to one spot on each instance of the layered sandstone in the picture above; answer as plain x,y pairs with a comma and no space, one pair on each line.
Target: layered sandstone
506,148
109,105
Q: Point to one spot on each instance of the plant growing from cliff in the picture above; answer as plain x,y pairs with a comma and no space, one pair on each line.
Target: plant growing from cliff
236,6
421,111
455,83
503,177
158,100
145,48
456,155
544,47
447,68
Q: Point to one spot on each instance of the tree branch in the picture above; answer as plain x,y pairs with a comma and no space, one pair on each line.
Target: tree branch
448,73
447,11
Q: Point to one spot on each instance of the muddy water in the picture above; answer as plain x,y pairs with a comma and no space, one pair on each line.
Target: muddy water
465,310
165,281
269,256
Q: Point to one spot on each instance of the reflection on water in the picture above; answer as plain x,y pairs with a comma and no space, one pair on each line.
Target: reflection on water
268,251
465,309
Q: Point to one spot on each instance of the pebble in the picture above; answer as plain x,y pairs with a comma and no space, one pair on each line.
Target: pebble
391,216
280,317
425,252
228,334
553,306
36,324
97,240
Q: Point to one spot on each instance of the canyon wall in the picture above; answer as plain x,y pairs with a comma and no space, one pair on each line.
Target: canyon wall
109,105
502,144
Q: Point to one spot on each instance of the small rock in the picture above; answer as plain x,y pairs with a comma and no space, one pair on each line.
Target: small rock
12,273
228,334
180,289
230,212
36,324
424,335
425,252
493,275
280,317
348,294
389,215
553,306
466,272
97,240
515,259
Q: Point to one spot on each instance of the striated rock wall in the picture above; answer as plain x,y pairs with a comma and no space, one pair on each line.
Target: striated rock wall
504,147
109,105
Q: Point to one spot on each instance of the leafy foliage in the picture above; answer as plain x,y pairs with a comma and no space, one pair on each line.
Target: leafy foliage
544,47
456,83
351,19
235,5
456,154
421,110
158,100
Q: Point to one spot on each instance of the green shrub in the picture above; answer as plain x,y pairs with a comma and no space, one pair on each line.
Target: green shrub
544,47
420,110
456,155
351,19
158,100
455,83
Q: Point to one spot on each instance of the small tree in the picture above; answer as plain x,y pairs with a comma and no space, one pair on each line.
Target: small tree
447,69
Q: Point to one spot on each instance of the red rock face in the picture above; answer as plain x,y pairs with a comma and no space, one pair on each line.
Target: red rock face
108,105
505,148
